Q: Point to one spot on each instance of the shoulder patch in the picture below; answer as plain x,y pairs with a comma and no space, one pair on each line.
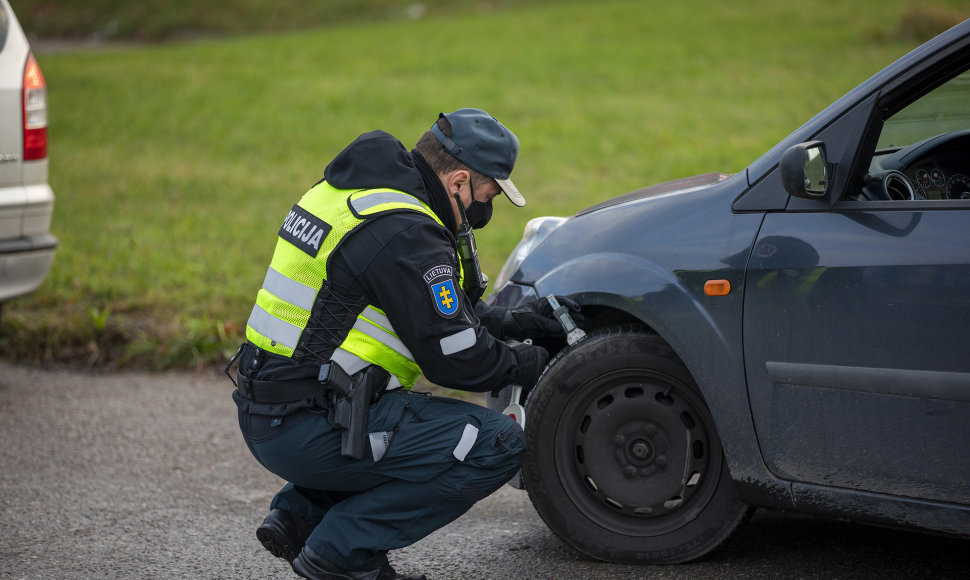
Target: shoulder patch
304,230
441,283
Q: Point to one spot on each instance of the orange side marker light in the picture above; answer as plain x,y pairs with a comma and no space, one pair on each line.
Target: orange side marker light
717,288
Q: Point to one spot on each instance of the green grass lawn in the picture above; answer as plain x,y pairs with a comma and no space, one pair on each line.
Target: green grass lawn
174,164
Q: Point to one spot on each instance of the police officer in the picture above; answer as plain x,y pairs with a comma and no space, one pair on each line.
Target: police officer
365,291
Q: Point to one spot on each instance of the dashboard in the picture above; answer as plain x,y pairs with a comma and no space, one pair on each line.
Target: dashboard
941,175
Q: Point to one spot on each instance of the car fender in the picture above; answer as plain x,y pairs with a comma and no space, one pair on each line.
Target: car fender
704,331
622,281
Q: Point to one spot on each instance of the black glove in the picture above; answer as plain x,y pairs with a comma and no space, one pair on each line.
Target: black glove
531,361
534,319
491,317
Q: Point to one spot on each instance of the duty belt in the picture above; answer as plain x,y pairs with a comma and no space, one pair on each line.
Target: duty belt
275,392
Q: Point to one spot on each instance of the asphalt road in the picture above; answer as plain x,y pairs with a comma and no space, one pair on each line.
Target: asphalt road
140,475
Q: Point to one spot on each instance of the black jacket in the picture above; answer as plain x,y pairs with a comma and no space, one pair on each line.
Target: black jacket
385,263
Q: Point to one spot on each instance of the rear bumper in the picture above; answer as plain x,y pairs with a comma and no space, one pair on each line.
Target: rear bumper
24,264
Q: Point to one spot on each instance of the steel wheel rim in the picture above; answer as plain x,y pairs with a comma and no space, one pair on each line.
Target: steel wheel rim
635,454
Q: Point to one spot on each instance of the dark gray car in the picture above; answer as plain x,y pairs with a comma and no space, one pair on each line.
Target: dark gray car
792,336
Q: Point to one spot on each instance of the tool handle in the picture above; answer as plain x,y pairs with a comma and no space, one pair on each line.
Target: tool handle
561,313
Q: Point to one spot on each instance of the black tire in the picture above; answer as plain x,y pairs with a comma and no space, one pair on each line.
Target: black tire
624,462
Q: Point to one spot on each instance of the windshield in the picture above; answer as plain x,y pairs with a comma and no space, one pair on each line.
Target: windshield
945,109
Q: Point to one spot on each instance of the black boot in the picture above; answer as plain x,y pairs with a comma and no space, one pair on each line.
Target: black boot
283,533
311,565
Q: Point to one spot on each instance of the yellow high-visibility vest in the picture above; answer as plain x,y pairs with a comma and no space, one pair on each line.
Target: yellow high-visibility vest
314,227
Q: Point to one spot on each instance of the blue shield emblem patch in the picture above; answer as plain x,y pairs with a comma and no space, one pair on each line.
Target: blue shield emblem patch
441,282
445,297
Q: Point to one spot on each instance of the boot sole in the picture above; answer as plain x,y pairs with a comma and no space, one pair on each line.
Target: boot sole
277,544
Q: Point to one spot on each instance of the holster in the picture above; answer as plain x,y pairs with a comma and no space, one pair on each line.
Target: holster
350,401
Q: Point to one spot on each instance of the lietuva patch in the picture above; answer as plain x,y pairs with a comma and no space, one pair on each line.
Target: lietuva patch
441,282
304,230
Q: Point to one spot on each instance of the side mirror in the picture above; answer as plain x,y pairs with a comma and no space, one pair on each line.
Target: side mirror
804,170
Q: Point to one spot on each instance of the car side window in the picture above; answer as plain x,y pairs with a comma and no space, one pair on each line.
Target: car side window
923,150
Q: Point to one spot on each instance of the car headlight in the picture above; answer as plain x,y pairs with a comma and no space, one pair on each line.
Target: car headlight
536,231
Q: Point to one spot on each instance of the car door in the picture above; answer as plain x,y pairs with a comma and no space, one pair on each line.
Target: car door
856,313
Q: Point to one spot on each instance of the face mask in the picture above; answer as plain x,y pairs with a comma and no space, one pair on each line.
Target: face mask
479,213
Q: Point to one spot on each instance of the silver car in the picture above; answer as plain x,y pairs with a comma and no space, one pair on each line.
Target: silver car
26,200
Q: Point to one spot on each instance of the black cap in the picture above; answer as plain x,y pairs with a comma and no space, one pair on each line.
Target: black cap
479,141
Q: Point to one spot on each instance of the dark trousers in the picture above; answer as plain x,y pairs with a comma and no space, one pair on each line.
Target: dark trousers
362,508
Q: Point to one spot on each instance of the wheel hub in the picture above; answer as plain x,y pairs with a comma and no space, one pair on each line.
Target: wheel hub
640,449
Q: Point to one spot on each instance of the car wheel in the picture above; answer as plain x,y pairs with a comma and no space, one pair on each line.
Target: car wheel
624,462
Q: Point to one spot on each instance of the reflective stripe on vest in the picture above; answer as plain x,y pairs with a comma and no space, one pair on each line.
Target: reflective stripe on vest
294,278
373,200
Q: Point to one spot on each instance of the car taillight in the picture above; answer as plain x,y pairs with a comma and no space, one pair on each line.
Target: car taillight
35,111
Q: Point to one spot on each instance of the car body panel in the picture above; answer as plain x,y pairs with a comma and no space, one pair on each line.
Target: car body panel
881,509
834,369
13,56
845,318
